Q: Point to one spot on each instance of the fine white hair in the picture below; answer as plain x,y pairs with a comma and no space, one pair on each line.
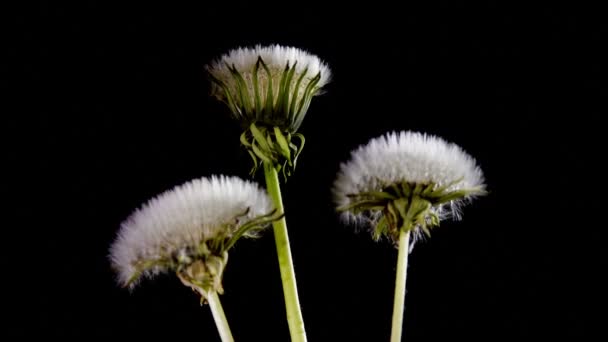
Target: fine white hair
270,85
182,217
275,56
406,156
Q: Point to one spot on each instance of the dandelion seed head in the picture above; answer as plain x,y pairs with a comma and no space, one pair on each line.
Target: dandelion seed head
269,85
178,220
276,58
406,157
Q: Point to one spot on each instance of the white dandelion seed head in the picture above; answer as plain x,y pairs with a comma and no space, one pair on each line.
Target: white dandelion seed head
412,157
289,101
182,218
276,58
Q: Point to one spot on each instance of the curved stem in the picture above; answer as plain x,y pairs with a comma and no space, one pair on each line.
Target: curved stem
219,317
399,300
290,290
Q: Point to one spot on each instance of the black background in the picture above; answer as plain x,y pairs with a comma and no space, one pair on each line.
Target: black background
108,105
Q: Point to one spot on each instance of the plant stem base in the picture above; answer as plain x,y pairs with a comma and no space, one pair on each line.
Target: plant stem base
400,279
290,290
219,317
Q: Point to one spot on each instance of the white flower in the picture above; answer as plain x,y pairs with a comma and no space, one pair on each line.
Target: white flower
192,221
269,90
418,168
269,84
276,57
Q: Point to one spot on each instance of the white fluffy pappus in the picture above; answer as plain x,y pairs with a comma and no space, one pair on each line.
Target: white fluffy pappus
411,157
184,216
276,58
273,85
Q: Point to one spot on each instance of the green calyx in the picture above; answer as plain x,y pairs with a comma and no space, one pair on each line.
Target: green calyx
203,274
272,146
406,206
201,267
276,97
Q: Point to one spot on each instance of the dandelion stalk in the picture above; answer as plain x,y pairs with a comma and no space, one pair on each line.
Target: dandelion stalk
403,184
400,280
268,89
188,231
288,278
219,317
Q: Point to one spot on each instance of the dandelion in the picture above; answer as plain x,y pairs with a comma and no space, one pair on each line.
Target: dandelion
269,90
401,183
189,230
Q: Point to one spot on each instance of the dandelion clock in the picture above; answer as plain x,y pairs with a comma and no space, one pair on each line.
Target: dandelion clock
268,90
402,185
188,231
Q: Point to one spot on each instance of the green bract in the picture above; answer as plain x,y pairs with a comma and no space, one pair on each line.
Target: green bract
202,267
272,146
406,206
271,96
270,102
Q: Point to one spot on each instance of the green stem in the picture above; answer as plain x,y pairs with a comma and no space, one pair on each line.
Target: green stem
399,301
290,290
219,317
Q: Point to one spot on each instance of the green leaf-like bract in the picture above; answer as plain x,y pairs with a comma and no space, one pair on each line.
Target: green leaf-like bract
406,206
202,266
269,97
272,146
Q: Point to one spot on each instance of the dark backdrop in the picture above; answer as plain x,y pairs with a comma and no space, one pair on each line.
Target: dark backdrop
108,106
